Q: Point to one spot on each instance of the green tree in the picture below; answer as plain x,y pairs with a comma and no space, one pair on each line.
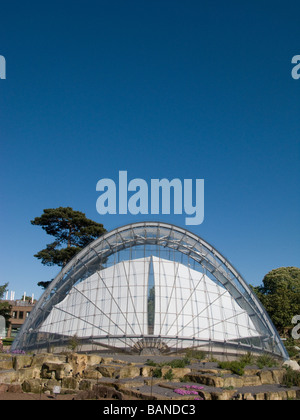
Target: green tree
72,231
5,307
280,295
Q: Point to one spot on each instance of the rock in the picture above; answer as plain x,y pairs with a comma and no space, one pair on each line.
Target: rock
145,371
3,388
90,373
129,372
106,371
8,376
233,381
32,385
266,377
107,360
78,362
292,364
49,385
278,375
251,380
57,370
93,359
6,364
248,396
224,395
41,358
28,373
14,388
86,385
70,383
177,372
21,361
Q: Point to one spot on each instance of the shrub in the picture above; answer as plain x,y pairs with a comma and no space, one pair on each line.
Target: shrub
235,367
150,362
195,354
157,373
179,363
291,378
265,360
247,359
169,376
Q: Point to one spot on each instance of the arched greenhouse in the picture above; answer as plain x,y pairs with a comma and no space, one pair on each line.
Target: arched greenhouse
150,286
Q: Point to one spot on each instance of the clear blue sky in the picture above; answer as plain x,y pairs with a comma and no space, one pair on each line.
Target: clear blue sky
160,88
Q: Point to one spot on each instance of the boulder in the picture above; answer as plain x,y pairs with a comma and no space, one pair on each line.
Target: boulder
278,375
177,372
79,362
6,364
32,385
91,373
8,376
70,383
292,364
251,380
28,373
93,359
22,360
107,371
233,381
266,377
129,372
57,370
3,388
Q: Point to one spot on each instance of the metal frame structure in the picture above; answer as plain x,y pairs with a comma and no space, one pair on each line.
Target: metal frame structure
151,238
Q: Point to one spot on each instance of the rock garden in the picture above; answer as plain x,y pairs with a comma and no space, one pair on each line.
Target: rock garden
92,376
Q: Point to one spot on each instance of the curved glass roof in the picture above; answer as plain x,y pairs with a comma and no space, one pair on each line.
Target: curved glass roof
150,282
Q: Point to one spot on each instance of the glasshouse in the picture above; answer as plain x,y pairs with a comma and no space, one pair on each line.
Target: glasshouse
150,287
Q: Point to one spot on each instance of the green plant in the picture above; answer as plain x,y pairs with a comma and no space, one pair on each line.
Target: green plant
73,342
265,360
169,376
150,362
156,373
235,367
247,359
195,354
291,378
179,363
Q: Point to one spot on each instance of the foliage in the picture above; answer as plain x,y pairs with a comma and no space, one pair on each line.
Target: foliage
247,359
5,307
195,354
280,295
265,360
72,231
169,376
73,342
3,289
157,373
291,378
176,363
236,367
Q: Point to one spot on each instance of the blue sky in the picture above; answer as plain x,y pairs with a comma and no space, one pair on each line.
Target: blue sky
162,89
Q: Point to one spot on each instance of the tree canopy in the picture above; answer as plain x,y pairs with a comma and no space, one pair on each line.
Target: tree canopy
5,307
72,231
280,295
